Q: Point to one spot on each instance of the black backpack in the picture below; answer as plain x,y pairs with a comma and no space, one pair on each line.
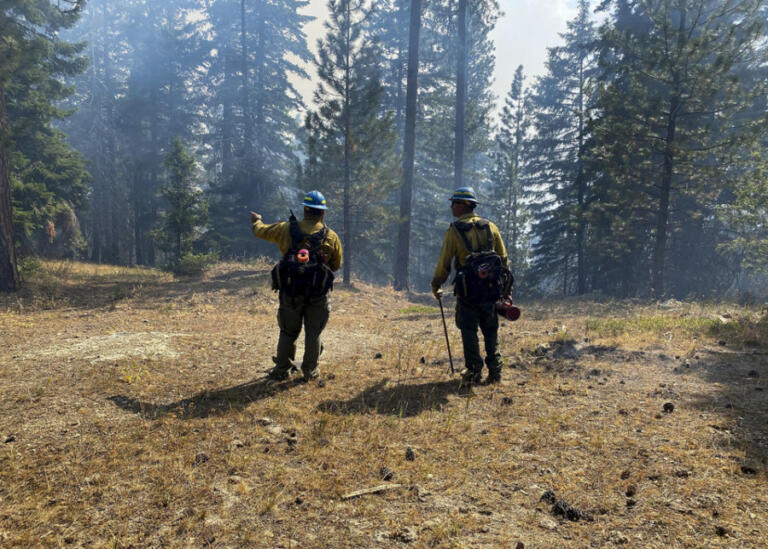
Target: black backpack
484,278
311,278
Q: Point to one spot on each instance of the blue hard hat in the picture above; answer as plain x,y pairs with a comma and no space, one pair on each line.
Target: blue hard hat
465,194
315,200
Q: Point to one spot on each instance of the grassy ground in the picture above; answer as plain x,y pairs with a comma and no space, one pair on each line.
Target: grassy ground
134,413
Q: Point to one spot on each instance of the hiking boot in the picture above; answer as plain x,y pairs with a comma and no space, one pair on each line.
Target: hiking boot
471,377
309,376
493,377
278,375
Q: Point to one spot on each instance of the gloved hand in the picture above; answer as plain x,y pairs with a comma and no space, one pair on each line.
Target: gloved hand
437,292
254,217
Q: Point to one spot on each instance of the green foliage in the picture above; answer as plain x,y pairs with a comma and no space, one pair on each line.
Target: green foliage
679,103
351,142
259,47
191,264
509,173
187,211
47,176
746,218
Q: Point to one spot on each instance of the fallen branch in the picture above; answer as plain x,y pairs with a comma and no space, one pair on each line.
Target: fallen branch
374,490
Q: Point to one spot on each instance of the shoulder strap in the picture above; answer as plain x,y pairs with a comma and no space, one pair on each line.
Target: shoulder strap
462,227
485,224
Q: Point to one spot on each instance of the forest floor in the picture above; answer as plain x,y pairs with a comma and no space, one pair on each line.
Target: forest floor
134,413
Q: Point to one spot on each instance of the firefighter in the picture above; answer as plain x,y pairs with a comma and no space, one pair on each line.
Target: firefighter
303,277
474,246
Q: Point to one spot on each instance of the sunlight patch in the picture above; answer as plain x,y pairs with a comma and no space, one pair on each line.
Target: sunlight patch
111,347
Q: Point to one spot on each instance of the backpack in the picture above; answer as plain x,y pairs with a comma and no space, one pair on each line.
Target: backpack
484,278
308,278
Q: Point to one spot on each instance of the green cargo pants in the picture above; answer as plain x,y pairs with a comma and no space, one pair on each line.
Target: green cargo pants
468,318
293,311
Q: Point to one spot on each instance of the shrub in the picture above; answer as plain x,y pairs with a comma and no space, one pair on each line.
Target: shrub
192,264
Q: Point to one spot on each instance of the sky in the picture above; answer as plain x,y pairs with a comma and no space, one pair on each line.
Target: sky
522,35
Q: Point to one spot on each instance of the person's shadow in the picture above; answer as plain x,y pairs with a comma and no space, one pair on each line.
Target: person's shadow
206,403
399,400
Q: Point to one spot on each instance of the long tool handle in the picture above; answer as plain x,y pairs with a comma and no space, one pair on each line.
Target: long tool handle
445,330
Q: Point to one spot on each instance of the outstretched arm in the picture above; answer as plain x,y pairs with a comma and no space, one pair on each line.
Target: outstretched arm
270,233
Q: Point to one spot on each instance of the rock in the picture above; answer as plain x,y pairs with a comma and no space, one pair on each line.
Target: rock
423,360
410,455
321,383
386,473
631,491
548,524
201,458
631,503
753,374
721,531
721,343
623,412
264,421
682,473
506,401
748,470
236,443
520,545
274,429
625,475
378,356
10,439
668,408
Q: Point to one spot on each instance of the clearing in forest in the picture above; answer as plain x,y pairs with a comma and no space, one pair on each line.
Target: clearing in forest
134,412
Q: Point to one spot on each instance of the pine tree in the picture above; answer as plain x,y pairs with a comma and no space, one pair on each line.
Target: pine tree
674,117
561,101
359,138
258,47
32,62
436,123
509,173
187,210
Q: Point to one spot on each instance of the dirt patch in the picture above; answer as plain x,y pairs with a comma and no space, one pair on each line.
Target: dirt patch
112,347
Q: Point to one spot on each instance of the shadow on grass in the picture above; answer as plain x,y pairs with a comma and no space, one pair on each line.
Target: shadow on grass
400,400
741,398
207,403
87,292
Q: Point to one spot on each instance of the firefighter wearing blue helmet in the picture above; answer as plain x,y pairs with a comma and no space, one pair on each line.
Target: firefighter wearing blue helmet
303,277
475,248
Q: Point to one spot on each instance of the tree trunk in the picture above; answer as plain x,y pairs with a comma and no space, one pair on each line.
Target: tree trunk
9,276
409,153
347,155
246,106
582,191
662,220
461,88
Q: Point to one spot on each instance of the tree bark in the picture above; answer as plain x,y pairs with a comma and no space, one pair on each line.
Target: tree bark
409,152
582,191
9,276
461,89
662,220
348,251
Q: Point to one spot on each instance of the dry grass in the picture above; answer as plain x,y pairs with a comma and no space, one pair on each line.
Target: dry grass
136,414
